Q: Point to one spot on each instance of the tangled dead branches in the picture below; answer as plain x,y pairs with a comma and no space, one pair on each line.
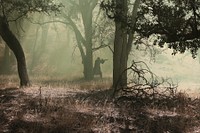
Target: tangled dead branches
144,87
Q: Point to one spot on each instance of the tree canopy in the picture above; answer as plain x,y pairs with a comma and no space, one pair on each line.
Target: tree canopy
175,21
16,9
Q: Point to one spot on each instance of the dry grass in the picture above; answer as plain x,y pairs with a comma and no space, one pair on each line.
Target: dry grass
71,107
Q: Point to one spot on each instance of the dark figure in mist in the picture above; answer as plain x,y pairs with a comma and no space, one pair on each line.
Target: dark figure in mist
97,66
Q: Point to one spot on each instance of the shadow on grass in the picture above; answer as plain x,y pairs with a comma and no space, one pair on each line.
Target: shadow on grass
60,117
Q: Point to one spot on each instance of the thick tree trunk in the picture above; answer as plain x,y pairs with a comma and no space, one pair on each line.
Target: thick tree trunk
120,48
88,64
87,22
15,46
85,42
120,58
123,42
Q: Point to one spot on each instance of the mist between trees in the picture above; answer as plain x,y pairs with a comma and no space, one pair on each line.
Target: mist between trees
65,40
51,49
99,66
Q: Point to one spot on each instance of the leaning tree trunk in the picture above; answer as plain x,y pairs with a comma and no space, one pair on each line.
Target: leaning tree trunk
15,46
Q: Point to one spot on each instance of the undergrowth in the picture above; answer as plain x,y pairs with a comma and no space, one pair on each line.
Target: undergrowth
94,111
87,113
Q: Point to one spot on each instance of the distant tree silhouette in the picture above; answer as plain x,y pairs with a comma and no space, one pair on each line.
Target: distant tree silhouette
82,17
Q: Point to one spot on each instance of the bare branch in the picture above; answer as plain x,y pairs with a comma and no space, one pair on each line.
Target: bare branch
48,22
74,26
144,84
99,47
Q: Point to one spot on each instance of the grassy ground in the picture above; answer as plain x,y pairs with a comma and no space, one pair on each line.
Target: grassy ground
54,105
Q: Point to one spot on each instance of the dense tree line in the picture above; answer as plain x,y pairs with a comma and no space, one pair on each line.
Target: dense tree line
175,23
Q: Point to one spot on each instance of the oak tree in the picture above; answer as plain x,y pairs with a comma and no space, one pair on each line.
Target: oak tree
13,10
123,15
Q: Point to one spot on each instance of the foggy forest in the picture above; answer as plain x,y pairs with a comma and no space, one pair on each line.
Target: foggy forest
99,66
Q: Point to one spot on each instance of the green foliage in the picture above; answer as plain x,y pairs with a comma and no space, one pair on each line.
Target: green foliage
15,9
176,21
109,6
113,12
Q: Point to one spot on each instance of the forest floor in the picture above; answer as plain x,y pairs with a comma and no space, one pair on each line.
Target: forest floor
86,107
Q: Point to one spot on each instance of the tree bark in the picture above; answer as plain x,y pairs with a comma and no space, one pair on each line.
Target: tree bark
123,42
120,47
120,58
88,64
87,22
84,41
15,46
